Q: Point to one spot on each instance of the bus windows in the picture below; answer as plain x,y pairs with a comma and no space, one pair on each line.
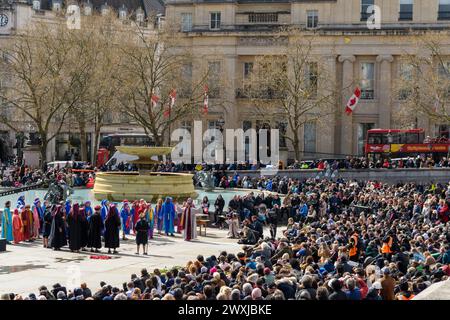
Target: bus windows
412,138
374,138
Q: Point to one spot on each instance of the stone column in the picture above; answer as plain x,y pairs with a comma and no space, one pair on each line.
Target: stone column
385,85
327,142
346,123
230,111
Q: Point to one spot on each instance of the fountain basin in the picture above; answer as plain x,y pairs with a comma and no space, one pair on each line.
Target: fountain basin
118,186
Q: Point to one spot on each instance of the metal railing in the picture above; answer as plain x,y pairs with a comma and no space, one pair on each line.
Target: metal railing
21,189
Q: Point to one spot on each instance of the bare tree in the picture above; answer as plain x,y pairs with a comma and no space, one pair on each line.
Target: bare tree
99,37
423,85
295,86
47,68
152,66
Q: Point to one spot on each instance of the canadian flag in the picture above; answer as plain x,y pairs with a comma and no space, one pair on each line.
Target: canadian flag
205,101
353,101
155,100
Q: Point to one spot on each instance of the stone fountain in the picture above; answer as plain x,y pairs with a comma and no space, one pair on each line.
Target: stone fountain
144,184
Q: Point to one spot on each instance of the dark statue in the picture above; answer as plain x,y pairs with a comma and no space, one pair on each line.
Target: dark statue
58,192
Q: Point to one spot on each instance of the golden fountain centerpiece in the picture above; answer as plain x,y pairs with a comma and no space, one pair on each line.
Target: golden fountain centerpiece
118,186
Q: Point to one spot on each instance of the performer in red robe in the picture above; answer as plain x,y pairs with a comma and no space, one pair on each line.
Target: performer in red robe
188,221
27,221
17,227
135,214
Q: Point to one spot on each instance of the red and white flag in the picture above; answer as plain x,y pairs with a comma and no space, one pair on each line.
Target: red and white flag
205,101
353,101
155,100
172,97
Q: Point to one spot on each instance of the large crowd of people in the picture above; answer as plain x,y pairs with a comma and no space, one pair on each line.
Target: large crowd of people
16,176
324,240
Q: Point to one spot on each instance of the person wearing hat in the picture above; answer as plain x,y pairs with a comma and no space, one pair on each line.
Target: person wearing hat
112,229
95,230
374,292
169,215
38,215
47,225
189,221
57,238
141,228
27,220
125,217
7,229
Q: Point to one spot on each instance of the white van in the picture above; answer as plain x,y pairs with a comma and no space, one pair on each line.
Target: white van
64,164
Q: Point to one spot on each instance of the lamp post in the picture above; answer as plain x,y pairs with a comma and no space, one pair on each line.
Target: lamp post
221,123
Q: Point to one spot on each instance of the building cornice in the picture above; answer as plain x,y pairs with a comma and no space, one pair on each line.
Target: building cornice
350,58
385,57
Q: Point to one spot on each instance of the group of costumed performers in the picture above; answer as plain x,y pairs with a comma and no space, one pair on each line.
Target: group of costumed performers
81,227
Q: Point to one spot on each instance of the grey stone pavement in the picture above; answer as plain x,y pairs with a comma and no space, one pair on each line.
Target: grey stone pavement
26,266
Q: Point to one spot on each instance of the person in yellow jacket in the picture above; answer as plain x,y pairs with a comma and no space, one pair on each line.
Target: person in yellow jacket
353,251
386,248
405,293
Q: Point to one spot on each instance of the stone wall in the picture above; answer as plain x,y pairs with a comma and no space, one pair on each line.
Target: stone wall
386,175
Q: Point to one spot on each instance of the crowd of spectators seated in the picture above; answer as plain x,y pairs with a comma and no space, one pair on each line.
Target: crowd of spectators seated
344,240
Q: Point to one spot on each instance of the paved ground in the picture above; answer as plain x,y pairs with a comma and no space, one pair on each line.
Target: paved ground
24,267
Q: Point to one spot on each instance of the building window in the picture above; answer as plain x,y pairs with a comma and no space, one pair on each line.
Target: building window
312,19
186,76
214,79
361,136
282,127
406,10
444,10
248,68
186,125
444,131
365,4
367,80
37,5
214,21
406,76
186,22
262,17
309,139
444,75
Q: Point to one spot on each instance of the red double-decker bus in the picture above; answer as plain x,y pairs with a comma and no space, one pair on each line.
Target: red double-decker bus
394,143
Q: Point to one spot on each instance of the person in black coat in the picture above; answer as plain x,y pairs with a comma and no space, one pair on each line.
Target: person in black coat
218,208
257,227
84,229
47,225
142,227
272,220
112,228
74,222
95,230
57,236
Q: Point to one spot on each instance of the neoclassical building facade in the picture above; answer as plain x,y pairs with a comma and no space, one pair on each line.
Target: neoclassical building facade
232,33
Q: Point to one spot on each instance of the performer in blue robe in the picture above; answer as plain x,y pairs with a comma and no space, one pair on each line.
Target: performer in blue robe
105,209
7,223
38,216
68,206
125,217
88,210
169,214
